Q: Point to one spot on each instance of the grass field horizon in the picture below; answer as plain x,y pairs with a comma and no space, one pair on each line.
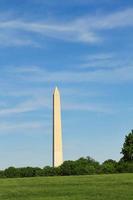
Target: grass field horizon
92,187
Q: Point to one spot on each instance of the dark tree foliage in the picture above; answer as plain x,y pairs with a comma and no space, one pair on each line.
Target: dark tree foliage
68,168
82,166
2,175
48,171
27,171
11,172
109,166
127,149
124,167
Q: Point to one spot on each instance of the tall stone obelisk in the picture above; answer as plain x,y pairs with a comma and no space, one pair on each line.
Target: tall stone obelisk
57,130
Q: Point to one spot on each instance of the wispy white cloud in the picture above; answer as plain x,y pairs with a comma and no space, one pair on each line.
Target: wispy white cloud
122,18
29,75
83,29
87,107
117,19
114,75
65,31
40,98
101,56
105,61
26,106
25,69
25,127
45,103
8,38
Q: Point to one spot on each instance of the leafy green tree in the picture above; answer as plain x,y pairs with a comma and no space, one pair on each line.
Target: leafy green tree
127,149
11,172
38,171
48,171
125,167
87,165
2,175
27,171
68,168
109,166
82,166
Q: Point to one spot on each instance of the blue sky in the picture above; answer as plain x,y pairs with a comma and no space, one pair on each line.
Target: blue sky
85,48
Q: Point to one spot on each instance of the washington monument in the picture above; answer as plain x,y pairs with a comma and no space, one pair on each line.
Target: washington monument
57,130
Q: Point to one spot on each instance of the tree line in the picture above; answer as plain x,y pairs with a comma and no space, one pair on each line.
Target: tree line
82,166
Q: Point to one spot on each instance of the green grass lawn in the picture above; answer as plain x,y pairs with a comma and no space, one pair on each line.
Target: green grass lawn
97,187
